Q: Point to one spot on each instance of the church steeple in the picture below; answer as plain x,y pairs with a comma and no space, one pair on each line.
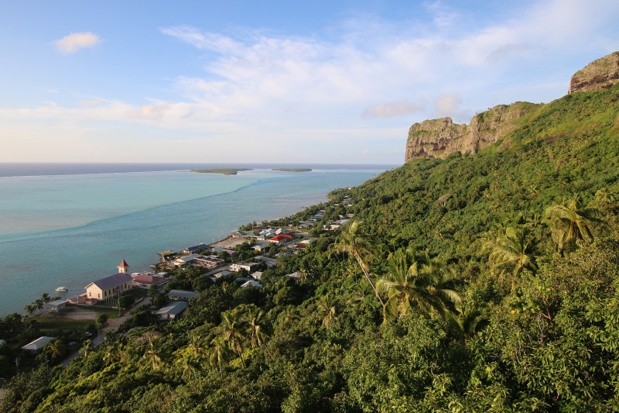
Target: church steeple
123,268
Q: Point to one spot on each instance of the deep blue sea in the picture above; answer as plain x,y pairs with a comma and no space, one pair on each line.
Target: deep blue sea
69,224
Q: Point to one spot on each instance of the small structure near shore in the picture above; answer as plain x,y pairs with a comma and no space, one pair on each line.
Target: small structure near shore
35,347
57,305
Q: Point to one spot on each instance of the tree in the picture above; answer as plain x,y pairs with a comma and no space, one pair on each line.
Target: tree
232,331
465,325
354,243
54,350
327,311
571,222
219,354
258,335
412,284
513,251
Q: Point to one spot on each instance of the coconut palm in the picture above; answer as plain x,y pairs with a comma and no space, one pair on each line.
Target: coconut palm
30,309
353,242
604,196
414,285
152,354
513,251
232,331
86,348
327,311
55,349
465,325
571,222
219,355
258,334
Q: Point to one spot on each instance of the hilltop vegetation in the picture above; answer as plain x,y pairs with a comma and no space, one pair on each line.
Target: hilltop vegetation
485,282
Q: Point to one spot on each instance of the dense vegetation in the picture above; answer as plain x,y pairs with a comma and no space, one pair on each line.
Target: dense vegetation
487,282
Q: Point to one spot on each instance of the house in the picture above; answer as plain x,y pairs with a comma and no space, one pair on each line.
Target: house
172,310
270,262
226,250
108,287
35,347
261,246
280,238
222,274
251,283
236,267
57,305
294,276
146,280
184,261
195,248
210,262
256,275
182,295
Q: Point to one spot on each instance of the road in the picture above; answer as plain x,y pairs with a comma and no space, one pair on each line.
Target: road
112,325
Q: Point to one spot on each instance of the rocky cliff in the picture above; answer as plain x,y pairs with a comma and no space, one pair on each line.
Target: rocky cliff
600,74
438,138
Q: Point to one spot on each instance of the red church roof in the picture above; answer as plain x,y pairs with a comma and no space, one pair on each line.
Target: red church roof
123,264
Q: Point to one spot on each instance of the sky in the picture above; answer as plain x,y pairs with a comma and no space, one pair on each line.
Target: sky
337,81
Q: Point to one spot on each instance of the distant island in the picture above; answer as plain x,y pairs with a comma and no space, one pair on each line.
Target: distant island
223,171
292,169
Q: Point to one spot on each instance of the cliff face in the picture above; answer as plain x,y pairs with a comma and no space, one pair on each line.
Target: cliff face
438,138
600,74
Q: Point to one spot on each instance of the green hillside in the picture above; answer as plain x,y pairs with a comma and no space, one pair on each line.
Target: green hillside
485,282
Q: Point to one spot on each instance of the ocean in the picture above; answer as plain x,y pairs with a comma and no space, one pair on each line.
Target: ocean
70,224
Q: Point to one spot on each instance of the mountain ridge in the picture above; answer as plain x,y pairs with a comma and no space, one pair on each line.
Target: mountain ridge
438,138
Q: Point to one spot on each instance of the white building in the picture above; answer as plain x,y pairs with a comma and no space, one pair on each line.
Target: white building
249,266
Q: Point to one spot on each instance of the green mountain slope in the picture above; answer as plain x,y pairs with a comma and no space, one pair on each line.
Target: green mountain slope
499,273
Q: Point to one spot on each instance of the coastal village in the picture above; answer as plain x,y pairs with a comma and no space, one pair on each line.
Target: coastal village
242,257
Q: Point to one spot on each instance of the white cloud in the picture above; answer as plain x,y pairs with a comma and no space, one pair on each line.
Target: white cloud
399,108
447,105
77,41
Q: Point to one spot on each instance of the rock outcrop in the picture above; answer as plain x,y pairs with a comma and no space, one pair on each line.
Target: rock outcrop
438,138
600,74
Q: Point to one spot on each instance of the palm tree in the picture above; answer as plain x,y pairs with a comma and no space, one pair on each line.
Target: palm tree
465,325
352,242
412,284
513,250
232,331
571,222
604,196
55,349
39,304
257,334
86,348
152,354
30,309
219,355
327,310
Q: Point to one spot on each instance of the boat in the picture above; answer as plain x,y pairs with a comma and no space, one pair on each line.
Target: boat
62,289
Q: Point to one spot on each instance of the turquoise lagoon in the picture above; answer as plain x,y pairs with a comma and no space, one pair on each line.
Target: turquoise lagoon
70,229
